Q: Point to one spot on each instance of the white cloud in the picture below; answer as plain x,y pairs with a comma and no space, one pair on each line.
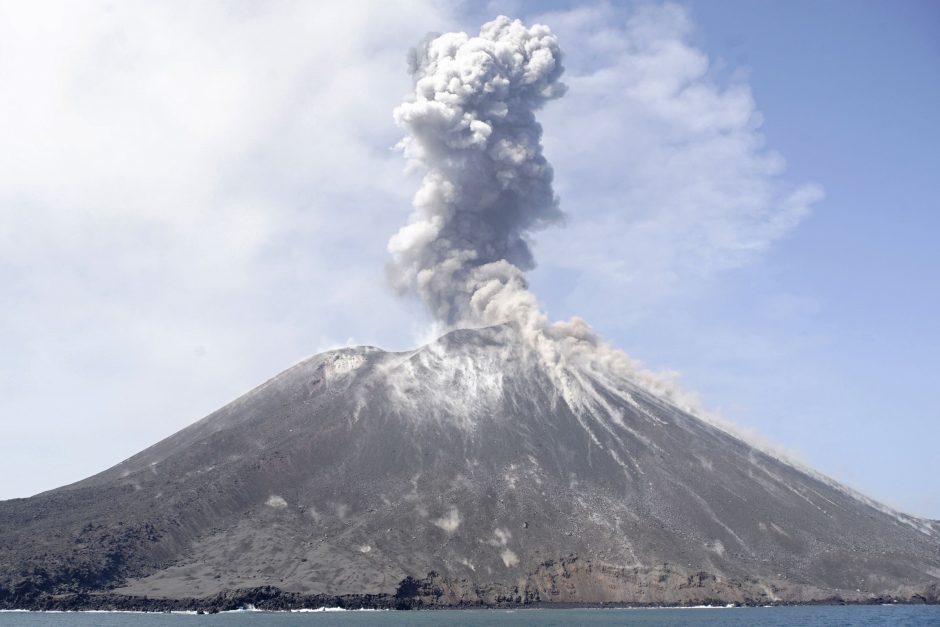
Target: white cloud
660,164
192,196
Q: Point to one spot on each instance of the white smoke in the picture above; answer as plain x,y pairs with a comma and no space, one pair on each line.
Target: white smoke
486,188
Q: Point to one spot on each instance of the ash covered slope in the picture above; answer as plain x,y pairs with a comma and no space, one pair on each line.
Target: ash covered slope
358,468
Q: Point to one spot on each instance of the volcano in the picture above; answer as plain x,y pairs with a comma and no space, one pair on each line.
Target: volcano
462,473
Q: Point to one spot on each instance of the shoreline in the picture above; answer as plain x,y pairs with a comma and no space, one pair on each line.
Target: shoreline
279,602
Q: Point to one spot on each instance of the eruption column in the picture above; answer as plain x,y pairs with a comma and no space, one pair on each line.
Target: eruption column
486,186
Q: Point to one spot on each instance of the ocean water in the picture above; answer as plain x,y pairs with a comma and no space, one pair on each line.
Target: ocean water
901,616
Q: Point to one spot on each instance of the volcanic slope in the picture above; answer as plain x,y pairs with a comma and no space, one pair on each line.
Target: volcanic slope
463,472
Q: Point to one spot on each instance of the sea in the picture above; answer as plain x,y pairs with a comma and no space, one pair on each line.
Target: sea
893,615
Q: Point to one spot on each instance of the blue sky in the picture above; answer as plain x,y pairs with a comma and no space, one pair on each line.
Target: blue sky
182,217
849,93
860,116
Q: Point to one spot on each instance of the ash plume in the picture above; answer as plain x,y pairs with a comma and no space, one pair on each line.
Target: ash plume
487,186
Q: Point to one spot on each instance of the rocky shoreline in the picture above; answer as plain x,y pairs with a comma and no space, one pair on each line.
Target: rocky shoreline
430,593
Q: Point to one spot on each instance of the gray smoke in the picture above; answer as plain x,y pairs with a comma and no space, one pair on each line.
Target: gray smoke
487,186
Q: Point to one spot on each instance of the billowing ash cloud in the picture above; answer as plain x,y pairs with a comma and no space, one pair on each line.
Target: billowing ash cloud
487,186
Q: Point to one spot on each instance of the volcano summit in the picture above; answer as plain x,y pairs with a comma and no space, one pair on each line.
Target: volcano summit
512,461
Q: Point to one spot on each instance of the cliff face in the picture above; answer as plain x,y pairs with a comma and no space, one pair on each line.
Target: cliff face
358,472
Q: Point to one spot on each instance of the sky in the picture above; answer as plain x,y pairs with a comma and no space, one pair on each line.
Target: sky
195,196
